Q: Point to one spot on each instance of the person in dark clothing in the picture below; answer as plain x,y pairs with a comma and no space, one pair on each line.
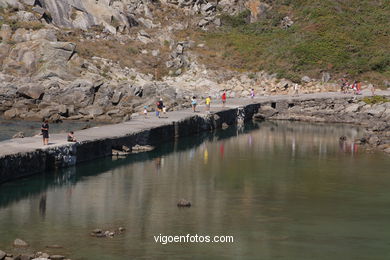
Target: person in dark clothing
71,137
160,106
45,132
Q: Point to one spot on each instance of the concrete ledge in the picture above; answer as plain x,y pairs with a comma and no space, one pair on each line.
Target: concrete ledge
27,156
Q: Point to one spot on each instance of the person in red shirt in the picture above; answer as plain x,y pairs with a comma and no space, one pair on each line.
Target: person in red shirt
223,98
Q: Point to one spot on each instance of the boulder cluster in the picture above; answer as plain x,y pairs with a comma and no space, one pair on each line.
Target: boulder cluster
21,245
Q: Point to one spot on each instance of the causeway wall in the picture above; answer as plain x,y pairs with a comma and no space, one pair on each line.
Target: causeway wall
23,157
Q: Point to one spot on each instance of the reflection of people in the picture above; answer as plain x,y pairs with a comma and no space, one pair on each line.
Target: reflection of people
71,137
206,156
42,205
45,132
222,150
157,162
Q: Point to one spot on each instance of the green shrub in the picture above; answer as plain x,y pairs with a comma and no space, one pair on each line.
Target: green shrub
236,20
375,100
342,37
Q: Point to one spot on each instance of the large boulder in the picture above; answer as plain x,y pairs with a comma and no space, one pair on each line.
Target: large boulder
265,112
5,32
11,3
2,255
41,58
84,14
31,91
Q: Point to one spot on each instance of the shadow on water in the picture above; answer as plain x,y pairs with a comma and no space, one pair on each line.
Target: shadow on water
27,187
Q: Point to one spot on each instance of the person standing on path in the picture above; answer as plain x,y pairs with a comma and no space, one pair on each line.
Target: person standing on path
160,106
296,89
145,111
252,93
223,98
208,102
193,103
45,132
358,88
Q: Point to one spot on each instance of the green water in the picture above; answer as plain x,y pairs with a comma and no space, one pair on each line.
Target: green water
283,190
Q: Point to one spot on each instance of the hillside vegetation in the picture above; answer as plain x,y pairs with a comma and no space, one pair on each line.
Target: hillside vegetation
343,37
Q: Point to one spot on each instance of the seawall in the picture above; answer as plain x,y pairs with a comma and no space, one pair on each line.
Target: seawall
32,157
27,156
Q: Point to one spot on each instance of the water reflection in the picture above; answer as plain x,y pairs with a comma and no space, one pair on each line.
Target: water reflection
278,187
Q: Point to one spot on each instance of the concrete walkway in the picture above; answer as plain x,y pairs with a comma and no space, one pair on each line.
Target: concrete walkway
138,123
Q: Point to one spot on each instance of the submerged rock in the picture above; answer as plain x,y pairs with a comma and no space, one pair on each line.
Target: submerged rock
141,148
20,243
184,203
121,229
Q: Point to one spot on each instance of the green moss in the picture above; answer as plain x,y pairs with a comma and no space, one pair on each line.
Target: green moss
375,100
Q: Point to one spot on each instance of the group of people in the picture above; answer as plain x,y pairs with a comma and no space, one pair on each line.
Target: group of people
161,108
346,87
45,133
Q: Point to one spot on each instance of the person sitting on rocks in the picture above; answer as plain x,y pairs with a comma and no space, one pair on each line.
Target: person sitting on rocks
71,137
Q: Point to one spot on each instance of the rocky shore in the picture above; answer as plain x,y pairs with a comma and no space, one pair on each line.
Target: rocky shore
373,113
69,60
23,251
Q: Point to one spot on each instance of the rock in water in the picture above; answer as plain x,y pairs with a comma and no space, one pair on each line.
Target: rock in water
2,255
184,203
57,257
20,243
121,229
18,135
141,148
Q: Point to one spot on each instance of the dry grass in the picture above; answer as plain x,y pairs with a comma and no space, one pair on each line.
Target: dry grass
127,54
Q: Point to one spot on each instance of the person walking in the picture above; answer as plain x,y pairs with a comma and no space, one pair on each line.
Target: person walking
372,88
223,98
252,93
296,89
160,106
193,103
354,87
208,102
145,111
45,132
358,88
